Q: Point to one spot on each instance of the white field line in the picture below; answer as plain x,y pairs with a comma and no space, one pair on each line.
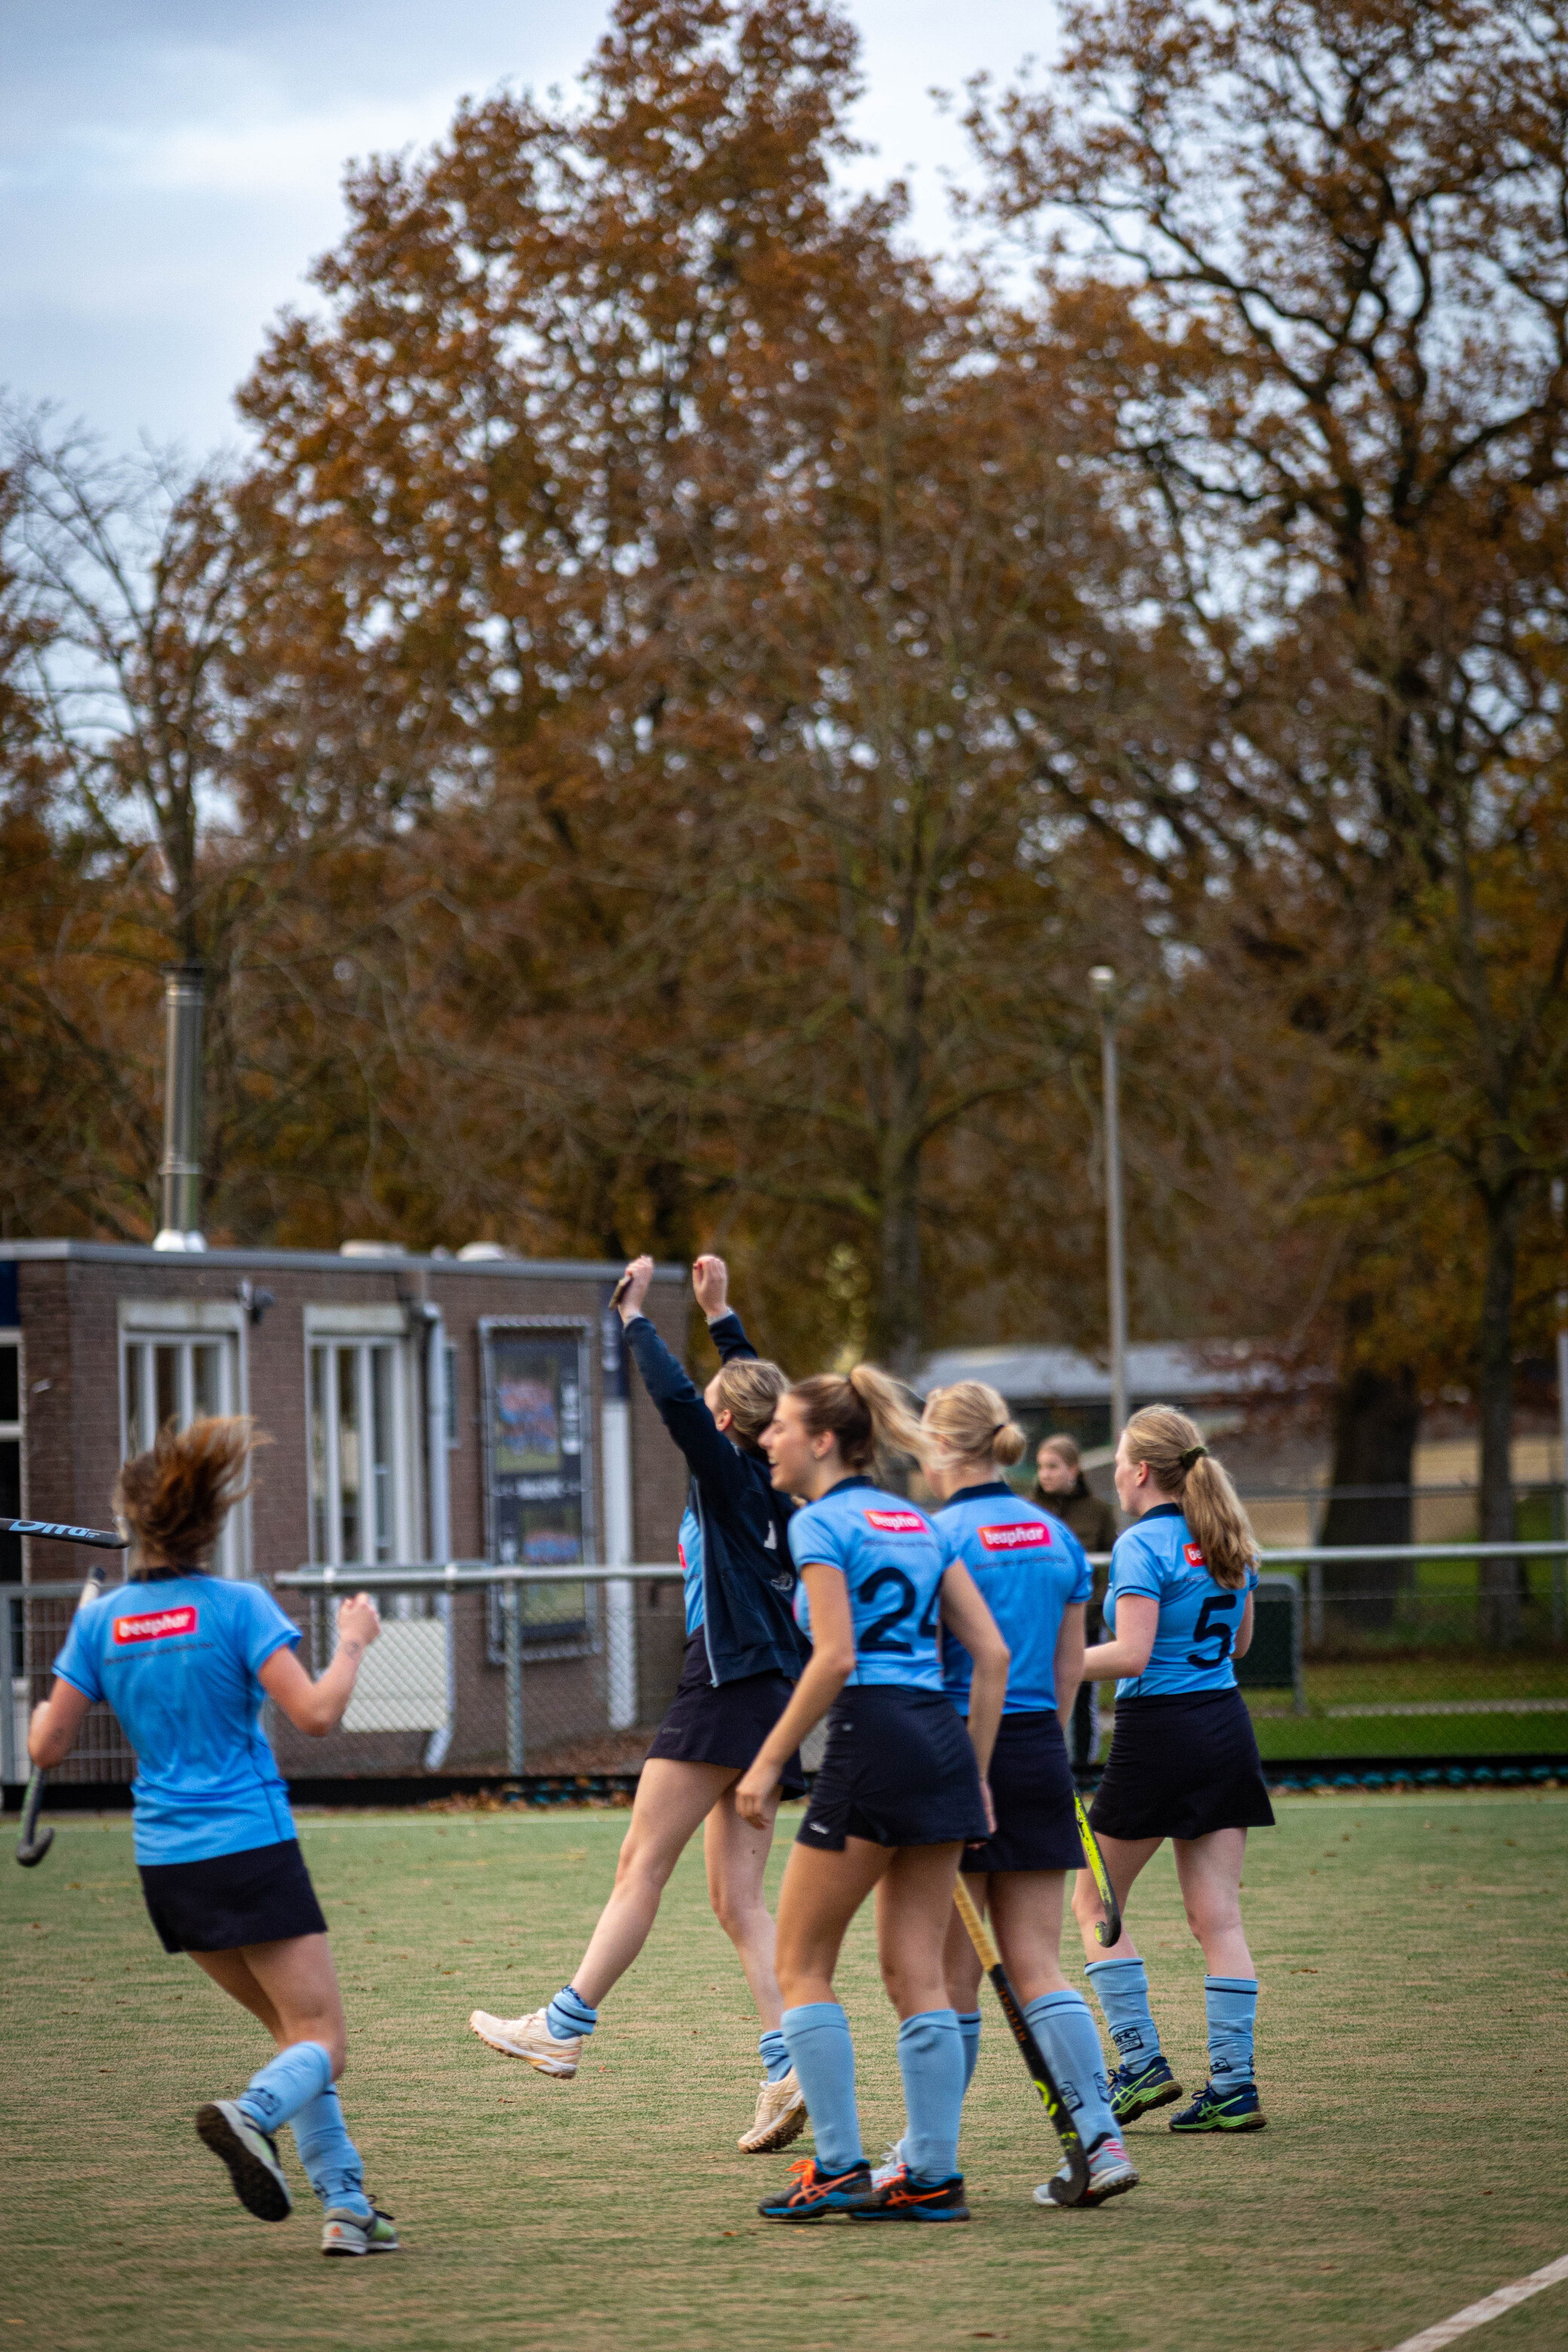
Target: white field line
1491,2306
1453,1706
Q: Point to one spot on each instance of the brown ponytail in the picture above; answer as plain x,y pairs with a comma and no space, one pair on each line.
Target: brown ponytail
862,1412
176,1495
1183,1467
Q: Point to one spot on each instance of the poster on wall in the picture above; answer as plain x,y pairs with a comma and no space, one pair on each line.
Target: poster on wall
539,1501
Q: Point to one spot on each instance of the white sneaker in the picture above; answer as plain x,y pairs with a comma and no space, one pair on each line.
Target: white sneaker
529,2038
893,2162
1111,2173
346,2233
252,2156
780,2117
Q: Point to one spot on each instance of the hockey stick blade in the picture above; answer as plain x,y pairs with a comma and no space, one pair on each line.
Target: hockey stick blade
1109,1929
52,1531
1029,2049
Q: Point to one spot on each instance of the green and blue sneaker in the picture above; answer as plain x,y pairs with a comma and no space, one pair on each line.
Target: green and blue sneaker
1138,2090
1214,2110
812,2195
344,2232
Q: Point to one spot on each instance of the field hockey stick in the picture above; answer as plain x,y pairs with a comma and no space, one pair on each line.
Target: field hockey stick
1029,2049
104,1537
1108,1929
35,1843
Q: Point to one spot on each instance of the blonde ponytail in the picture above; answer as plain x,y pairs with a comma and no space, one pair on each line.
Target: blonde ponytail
862,1412
970,1423
1183,1467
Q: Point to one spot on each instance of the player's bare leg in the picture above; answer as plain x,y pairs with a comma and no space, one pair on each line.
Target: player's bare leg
736,1855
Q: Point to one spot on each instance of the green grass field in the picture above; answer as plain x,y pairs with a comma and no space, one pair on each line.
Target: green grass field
1412,2051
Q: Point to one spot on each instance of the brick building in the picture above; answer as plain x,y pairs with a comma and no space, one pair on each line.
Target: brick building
420,1410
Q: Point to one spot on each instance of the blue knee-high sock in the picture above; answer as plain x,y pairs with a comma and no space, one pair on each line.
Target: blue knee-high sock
1232,2006
969,2034
818,2037
567,2015
775,2052
1122,1990
1066,2031
278,2090
931,2059
329,2158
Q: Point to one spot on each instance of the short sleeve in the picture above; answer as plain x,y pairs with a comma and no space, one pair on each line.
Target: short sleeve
813,1537
1134,1568
263,1628
78,1661
1252,1576
1082,1574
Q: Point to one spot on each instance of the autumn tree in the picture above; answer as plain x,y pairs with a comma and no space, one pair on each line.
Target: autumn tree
746,593
1342,224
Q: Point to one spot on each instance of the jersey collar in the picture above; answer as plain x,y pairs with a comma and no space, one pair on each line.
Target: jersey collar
1161,1511
977,1493
854,1479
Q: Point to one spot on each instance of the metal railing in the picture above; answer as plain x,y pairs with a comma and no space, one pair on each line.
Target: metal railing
1392,1650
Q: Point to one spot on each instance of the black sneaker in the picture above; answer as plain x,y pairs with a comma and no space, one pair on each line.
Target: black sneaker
903,2200
812,2195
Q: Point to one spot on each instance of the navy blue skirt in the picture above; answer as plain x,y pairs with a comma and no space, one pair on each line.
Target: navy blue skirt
1182,1768
263,1896
723,1723
1032,1790
897,1769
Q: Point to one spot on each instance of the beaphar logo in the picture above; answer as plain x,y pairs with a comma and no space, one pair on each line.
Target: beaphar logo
1024,1534
896,1523
164,1626
681,1552
1195,1557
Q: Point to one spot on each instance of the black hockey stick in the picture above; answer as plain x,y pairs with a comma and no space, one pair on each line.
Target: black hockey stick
1029,2049
1109,1929
35,1843
105,1539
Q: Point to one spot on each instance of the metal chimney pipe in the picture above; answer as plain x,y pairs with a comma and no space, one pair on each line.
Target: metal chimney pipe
185,995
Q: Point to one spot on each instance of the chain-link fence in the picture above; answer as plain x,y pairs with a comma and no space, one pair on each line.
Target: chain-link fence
477,1670
1378,1652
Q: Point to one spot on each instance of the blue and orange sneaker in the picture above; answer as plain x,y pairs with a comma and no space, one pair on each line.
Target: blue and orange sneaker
1212,2110
812,2195
1138,2090
900,2198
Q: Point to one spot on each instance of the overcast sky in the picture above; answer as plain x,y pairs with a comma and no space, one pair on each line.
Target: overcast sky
169,168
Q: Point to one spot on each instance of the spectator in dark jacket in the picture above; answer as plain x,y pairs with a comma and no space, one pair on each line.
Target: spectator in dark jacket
1062,1486
744,1655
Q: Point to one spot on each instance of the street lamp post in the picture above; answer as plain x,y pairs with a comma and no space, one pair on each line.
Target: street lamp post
1560,1568
1102,987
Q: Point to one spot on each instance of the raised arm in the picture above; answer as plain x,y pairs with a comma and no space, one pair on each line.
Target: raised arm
680,1404
317,1707
710,1282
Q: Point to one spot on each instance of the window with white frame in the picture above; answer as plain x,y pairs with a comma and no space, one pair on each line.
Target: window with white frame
179,1360
360,1397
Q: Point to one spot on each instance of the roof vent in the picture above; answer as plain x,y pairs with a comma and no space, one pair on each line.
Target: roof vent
472,1252
371,1249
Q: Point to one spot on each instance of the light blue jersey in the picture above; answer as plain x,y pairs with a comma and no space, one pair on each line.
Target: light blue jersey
892,1565
1199,1620
689,1554
177,1659
1030,1569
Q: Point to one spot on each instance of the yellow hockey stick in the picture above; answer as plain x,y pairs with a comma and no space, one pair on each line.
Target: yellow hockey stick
1034,2057
1108,1929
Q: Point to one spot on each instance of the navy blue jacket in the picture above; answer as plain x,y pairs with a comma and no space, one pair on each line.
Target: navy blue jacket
748,1575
